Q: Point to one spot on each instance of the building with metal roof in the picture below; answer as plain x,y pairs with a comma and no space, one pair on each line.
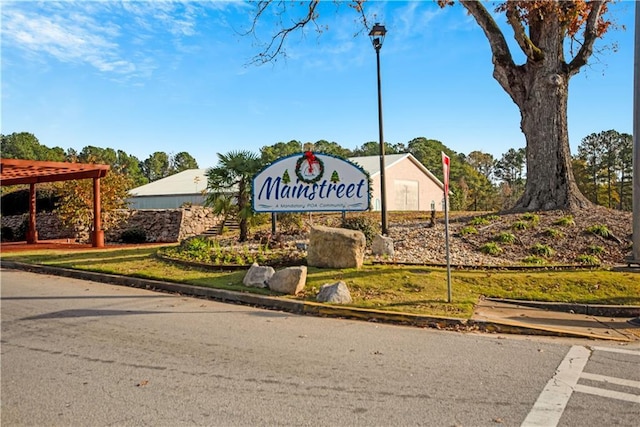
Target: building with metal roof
410,186
174,191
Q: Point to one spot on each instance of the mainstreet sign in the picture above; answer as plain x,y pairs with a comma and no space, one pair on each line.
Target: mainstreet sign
311,182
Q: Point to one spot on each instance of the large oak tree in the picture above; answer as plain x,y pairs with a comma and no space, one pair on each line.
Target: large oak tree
544,31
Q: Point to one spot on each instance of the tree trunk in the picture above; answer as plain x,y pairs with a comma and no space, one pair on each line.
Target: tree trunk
550,182
540,90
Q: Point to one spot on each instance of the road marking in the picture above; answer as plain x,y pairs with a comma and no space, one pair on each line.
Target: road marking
548,409
628,397
610,380
617,350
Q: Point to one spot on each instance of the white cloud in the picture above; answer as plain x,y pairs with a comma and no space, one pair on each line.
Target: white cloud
119,38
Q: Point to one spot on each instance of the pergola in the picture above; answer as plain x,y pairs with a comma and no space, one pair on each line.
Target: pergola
14,172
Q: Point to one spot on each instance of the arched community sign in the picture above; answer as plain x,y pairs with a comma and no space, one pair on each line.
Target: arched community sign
311,182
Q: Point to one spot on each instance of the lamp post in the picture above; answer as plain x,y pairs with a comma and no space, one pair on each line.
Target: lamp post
377,34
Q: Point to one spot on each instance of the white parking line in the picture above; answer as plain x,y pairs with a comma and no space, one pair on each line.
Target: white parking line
627,397
552,401
616,350
610,380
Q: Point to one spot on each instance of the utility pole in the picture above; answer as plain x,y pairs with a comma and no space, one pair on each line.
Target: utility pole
635,254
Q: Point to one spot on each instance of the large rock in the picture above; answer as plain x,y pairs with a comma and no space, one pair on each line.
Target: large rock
382,245
335,248
258,276
290,280
335,293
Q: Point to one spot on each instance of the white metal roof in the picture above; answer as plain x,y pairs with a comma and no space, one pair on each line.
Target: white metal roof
190,181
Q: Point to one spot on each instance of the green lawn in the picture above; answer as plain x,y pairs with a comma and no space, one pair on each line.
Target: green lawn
420,290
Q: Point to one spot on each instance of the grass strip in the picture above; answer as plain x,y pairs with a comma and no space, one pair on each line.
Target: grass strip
410,289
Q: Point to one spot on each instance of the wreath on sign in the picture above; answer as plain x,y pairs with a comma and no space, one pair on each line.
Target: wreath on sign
309,168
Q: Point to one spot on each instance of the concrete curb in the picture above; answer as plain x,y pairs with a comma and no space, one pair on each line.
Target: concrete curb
303,307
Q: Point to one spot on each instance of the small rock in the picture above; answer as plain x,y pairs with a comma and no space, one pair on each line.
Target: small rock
336,293
257,276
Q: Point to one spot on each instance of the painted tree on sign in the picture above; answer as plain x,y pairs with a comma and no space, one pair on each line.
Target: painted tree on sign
546,31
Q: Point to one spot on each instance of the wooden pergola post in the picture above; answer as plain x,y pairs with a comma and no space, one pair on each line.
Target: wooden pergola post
32,232
98,233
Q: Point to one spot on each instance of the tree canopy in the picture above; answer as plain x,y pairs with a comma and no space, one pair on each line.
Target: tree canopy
546,32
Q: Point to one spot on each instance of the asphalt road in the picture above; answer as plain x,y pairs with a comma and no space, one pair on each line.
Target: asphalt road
89,354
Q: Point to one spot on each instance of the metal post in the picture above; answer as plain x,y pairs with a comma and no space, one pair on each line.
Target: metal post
274,218
383,184
635,257
446,242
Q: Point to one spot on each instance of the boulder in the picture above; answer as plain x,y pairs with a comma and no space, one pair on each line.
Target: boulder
335,248
290,280
258,276
382,245
335,293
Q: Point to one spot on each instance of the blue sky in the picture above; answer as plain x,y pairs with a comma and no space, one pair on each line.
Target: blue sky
176,76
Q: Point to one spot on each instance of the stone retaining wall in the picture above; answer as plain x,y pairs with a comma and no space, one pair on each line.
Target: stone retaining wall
161,225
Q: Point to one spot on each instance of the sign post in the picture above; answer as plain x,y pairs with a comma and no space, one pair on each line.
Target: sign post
446,166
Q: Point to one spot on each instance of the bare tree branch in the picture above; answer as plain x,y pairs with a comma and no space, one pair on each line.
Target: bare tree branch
274,47
590,36
532,52
499,47
505,70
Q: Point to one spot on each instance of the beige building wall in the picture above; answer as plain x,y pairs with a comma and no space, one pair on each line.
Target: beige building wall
408,188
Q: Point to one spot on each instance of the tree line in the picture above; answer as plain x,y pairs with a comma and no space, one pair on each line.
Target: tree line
25,145
479,181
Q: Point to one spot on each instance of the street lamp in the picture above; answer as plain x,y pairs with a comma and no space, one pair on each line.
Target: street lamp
377,34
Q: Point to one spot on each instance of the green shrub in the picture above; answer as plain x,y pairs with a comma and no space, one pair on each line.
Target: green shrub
595,249
565,221
491,248
21,233
6,235
492,217
290,222
588,260
259,219
134,235
542,250
520,225
534,260
468,230
198,249
368,226
552,232
505,237
599,230
479,221
531,217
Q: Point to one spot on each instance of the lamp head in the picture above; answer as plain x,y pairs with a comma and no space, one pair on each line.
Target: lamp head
377,34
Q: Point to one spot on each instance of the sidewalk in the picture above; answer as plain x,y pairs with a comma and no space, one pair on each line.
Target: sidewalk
493,316
522,314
